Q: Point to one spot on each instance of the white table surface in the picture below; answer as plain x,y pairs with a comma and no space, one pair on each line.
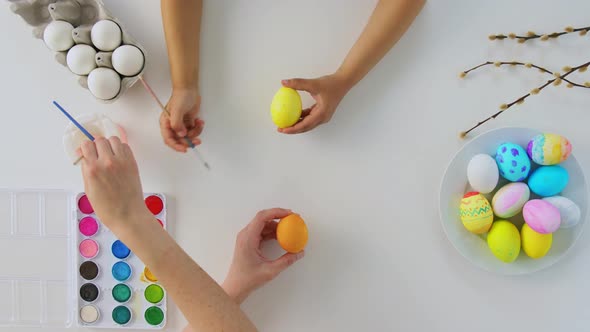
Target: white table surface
367,183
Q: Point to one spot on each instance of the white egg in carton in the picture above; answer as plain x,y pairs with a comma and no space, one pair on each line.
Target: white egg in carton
88,40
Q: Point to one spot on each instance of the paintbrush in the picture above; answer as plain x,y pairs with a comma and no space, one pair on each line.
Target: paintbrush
186,139
77,124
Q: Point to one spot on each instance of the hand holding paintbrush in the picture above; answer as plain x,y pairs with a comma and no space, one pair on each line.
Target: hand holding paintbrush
163,108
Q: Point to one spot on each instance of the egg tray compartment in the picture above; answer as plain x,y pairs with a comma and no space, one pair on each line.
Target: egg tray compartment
36,13
105,281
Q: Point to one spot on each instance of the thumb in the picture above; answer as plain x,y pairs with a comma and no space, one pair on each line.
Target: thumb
298,84
177,123
283,262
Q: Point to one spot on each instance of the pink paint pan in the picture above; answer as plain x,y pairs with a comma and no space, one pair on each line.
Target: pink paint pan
88,248
88,226
84,205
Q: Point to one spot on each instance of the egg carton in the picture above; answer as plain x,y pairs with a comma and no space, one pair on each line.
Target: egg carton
82,14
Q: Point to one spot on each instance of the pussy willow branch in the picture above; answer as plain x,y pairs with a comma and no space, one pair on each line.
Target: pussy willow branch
555,81
527,65
532,35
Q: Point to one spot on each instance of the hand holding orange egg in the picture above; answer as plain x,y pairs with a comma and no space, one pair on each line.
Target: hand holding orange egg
250,268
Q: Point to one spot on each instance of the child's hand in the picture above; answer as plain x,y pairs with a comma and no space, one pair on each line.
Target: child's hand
250,269
327,91
111,181
183,107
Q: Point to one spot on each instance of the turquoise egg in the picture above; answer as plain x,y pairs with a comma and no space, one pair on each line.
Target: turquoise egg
549,180
513,162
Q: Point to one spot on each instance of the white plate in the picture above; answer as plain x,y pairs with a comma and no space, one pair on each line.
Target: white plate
473,247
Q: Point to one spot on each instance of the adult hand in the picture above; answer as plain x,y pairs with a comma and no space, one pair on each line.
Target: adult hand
111,181
183,121
327,91
250,269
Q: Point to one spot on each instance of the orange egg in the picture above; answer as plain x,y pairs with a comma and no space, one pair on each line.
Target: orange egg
292,233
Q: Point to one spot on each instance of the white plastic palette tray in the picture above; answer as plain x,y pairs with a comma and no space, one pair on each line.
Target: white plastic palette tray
40,277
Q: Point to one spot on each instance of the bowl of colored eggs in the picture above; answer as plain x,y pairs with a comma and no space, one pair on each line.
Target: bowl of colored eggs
514,200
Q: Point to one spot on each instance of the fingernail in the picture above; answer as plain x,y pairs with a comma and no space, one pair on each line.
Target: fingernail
300,255
181,133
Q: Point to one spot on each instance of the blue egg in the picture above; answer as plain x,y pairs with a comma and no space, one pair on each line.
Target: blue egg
513,162
549,180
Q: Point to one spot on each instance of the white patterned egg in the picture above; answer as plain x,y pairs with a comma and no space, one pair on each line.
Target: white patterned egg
570,212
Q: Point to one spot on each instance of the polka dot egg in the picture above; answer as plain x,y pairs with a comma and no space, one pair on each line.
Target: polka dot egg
513,162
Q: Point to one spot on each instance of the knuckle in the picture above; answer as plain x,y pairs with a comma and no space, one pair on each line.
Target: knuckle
109,164
91,171
87,144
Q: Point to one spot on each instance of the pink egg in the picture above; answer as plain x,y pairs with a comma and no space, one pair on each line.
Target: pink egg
541,216
510,199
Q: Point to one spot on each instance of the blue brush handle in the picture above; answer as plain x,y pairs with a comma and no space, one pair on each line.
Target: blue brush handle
82,129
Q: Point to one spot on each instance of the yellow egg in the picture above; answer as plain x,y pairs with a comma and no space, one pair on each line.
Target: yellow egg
476,213
535,245
504,241
285,109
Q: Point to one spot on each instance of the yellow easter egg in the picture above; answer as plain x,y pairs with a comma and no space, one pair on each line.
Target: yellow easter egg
285,109
535,245
476,213
504,241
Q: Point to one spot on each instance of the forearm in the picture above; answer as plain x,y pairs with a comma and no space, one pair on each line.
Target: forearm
182,24
388,23
202,301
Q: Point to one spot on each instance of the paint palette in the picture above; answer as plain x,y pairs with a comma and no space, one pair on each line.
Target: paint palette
114,288
68,267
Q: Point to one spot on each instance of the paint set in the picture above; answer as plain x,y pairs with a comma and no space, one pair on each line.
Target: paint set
63,267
